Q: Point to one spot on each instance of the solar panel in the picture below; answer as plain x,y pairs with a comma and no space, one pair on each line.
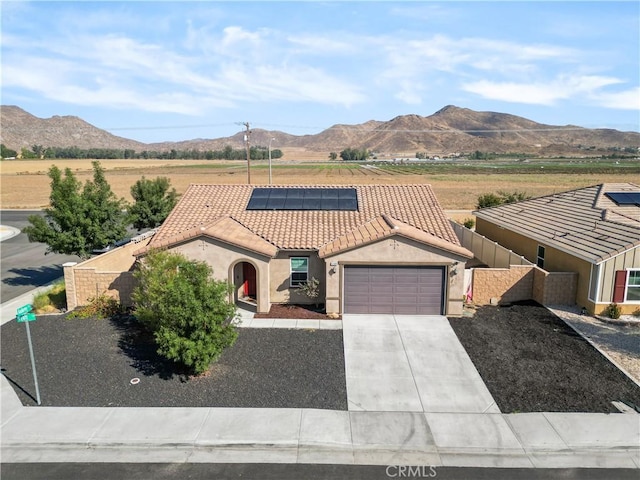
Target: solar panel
625,198
325,199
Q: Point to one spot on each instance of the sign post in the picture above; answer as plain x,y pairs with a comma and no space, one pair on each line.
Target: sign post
23,314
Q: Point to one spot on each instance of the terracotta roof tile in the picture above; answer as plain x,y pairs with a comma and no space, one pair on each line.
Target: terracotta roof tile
414,205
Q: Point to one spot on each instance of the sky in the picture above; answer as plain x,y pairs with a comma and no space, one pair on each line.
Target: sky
169,71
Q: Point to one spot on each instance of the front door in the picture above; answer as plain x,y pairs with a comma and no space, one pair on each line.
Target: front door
249,274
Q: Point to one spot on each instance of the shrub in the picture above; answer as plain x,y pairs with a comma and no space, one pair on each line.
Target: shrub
102,306
52,299
613,310
469,223
311,289
186,309
488,200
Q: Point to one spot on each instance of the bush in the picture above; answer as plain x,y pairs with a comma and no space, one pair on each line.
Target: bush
186,309
613,310
311,289
102,306
469,223
488,200
52,299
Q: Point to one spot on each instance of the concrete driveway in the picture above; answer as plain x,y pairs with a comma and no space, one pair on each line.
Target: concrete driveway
405,363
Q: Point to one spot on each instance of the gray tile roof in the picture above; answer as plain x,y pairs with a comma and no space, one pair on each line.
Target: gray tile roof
584,223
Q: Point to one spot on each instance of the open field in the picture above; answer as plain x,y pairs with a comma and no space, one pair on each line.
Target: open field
24,183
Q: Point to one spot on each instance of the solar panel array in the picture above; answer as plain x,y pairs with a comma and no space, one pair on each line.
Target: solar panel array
625,198
345,199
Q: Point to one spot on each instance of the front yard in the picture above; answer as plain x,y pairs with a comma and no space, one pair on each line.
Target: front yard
531,361
528,358
90,363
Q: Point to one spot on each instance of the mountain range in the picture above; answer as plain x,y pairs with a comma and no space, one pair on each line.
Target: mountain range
451,129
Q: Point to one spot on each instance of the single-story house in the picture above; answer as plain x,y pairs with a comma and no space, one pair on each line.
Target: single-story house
594,231
373,248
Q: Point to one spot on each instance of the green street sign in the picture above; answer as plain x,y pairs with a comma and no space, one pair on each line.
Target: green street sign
24,309
26,317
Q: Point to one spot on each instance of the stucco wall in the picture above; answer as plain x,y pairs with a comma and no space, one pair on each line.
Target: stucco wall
110,273
395,251
280,291
222,257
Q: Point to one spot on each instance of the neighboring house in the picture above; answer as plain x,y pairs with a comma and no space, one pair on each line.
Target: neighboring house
594,231
374,249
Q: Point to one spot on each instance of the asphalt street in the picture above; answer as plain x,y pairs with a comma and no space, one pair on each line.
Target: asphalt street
24,265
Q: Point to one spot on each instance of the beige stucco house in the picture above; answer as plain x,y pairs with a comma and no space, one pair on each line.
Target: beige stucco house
594,231
373,248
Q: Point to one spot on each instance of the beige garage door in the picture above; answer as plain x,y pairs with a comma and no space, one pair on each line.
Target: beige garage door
397,290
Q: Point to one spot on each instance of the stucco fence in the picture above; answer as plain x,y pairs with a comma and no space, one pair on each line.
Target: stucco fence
110,273
509,277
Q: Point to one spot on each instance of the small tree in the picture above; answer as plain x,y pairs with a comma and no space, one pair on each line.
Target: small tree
79,219
186,309
333,156
153,202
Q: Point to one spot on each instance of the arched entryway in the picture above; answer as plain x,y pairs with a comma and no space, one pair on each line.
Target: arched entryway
246,285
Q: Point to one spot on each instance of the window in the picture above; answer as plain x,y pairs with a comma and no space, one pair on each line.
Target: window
540,256
299,271
633,286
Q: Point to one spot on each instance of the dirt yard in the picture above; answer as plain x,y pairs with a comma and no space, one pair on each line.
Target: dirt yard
25,183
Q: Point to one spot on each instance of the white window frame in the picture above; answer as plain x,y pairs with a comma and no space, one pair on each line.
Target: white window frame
594,283
298,282
540,258
627,285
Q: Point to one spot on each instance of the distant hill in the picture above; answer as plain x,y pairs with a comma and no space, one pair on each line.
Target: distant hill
449,130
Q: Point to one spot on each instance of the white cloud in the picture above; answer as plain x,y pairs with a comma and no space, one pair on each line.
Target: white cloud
625,100
541,93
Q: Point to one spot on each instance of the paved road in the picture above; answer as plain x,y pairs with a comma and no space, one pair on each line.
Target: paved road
275,471
24,266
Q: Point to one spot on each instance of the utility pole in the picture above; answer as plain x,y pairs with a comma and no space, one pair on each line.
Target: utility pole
246,144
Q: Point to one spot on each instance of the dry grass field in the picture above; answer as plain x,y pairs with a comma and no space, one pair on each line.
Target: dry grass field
25,184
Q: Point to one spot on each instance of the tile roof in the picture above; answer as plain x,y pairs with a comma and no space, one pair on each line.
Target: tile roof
203,206
584,223
384,227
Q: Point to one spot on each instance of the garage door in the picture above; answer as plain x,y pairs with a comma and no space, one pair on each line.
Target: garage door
399,290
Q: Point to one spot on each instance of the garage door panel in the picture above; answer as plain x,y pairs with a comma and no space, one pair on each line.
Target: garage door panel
399,290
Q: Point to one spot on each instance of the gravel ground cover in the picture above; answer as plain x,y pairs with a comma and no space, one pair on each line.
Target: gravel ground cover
90,363
531,361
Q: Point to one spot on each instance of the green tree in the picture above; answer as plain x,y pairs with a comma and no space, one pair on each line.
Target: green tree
187,310
7,152
153,202
26,153
333,156
79,219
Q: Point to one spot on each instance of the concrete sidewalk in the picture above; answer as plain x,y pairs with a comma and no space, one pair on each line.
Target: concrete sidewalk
542,440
